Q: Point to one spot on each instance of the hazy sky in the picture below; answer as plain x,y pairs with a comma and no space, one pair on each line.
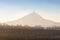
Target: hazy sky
15,9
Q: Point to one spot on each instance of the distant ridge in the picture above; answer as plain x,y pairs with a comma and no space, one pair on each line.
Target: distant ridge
33,19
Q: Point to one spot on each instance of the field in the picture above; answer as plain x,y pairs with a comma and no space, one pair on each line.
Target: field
22,33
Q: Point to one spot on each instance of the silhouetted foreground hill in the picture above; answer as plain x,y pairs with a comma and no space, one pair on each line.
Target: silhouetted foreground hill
28,33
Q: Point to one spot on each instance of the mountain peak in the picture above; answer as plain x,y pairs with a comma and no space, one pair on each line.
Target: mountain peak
33,19
34,13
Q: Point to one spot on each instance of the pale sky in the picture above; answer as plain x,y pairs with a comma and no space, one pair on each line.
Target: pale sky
15,9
